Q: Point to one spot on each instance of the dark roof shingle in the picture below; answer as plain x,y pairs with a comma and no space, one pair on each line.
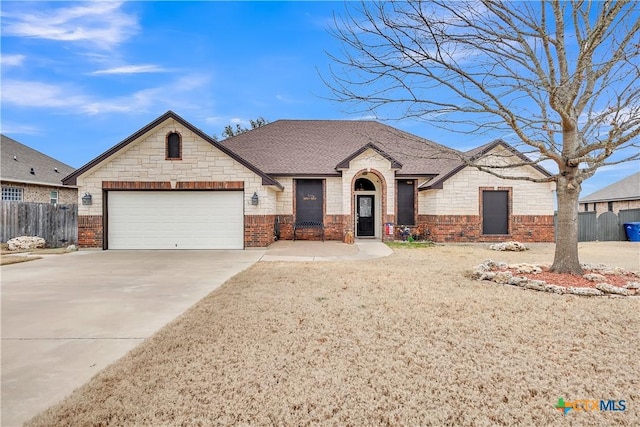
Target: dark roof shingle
317,147
626,189
18,161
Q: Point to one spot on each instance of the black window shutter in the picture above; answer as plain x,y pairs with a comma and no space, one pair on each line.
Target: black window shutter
406,203
309,200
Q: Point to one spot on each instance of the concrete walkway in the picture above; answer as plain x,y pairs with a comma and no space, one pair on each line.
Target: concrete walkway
304,250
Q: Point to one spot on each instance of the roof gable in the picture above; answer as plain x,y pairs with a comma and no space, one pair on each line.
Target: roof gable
478,153
24,164
345,163
72,178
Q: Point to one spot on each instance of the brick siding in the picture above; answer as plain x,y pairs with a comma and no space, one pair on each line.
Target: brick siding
42,194
258,230
90,231
468,228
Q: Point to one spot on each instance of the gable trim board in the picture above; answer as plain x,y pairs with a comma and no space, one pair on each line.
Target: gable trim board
447,195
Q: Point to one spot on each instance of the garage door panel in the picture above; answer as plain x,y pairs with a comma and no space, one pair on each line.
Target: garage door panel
175,220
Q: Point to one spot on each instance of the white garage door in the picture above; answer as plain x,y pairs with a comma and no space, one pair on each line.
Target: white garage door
175,220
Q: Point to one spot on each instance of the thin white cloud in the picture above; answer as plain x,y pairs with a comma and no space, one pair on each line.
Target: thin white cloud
215,120
285,99
102,24
35,94
12,60
18,129
132,69
24,93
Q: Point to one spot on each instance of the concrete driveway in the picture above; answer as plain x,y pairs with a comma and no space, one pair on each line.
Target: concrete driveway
66,317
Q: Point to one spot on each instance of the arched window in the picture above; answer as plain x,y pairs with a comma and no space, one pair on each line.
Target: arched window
174,146
363,184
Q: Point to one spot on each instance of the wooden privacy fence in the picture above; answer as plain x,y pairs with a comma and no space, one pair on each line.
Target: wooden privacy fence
607,226
57,224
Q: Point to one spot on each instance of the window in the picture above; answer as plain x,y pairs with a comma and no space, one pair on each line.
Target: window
12,194
174,146
406,203
495,212
309,200
586,207
363,184
53,197
610,206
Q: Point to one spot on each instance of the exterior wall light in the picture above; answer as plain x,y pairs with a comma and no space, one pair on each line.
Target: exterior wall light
86,199
255,199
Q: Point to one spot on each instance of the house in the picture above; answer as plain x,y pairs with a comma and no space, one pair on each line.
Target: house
621,195
169,185
28,175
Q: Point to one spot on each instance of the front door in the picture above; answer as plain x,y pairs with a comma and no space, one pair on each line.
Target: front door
365,217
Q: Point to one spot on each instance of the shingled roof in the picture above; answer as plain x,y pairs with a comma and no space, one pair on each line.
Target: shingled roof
625,189
24,164
322,147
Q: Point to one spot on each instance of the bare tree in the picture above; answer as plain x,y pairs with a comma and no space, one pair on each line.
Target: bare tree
563,78
230,131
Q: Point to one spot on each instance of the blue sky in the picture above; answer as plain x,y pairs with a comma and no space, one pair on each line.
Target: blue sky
77,78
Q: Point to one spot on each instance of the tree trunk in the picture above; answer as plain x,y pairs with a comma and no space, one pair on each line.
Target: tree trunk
566,255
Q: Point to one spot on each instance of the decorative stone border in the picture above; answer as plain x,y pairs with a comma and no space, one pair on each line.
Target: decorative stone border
496,271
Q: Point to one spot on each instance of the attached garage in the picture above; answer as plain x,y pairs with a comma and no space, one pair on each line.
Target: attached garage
175,220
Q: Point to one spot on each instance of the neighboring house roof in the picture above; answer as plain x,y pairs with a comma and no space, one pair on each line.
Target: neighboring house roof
321,147
625,189
26,165
72,178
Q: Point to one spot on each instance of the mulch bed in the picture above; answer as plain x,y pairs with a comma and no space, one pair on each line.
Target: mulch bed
597,279
567,280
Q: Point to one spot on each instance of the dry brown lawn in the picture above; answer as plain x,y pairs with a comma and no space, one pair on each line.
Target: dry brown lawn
8,257
16,259
404,340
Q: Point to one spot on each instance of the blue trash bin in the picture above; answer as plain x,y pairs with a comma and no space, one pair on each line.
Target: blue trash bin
633,231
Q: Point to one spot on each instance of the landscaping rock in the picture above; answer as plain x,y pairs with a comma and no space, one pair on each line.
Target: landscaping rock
485,275
632,285
555,289
502,277
509,246
594,277
611,289
526,268
585,291
605,269
538,285
518,281
23,243
72,248
503,273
